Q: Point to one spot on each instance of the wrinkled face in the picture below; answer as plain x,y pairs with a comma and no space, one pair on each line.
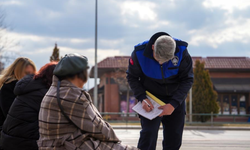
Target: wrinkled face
28,70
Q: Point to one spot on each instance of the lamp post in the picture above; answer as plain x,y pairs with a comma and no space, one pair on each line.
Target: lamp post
190,106
95,71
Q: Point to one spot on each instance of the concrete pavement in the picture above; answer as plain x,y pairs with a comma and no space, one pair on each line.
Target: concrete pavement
189,127
197,139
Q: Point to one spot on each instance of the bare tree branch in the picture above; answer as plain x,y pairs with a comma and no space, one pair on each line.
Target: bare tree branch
6,44
120,78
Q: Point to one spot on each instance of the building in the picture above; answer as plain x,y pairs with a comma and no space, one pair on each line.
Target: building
112,96
230,77
231,80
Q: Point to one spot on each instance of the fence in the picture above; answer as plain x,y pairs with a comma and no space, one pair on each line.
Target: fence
215,119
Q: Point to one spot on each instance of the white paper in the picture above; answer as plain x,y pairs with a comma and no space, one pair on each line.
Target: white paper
150,115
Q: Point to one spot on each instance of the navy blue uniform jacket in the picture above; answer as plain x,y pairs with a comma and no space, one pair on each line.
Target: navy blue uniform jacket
170,81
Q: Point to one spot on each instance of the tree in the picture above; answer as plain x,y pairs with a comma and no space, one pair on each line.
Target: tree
2,30
55,54
7,56
120,78
204,96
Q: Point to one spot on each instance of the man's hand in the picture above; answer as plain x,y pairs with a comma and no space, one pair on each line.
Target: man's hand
167,110
148,107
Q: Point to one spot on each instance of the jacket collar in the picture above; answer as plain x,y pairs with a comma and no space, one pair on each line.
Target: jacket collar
64,83
148,52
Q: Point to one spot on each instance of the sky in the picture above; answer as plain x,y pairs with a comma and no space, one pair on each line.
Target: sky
211,27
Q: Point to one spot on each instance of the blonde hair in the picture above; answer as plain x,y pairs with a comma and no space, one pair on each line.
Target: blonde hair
16,70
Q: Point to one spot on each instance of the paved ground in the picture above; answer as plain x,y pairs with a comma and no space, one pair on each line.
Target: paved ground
198,139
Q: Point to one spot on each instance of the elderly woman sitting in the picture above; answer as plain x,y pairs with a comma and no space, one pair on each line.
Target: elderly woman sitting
68,120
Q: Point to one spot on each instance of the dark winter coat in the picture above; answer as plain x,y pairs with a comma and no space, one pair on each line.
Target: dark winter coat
7,97
20,129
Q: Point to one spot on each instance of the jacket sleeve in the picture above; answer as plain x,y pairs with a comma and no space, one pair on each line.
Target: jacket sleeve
7,97
134,75
186,80
88,119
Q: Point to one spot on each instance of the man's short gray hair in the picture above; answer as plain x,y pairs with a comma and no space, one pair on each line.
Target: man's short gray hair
164,48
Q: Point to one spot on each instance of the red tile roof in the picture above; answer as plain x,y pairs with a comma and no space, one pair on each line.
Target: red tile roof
210,62
114,62
225,62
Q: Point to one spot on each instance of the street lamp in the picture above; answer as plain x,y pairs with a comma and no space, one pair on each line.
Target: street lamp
190,106
95,71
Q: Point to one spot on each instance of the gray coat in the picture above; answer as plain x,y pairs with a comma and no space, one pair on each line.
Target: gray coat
58,134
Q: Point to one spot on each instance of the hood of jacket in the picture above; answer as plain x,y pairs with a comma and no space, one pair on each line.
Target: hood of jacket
28,84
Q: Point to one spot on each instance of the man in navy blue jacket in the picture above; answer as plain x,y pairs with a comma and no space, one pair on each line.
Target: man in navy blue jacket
162,66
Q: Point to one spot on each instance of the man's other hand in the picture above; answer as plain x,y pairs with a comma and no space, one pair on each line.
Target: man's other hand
167,110
147,107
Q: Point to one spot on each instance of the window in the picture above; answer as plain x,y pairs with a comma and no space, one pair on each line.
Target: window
243,105
219,103
107,80
234,105
226,104
112,81
123,104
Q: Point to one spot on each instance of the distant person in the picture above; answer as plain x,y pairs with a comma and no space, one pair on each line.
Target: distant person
20,129
68,120
17,70
162,66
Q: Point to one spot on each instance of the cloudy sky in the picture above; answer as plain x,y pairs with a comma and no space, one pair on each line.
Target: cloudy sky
211,27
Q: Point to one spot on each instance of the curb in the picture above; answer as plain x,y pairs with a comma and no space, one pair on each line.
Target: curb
187,127
215,128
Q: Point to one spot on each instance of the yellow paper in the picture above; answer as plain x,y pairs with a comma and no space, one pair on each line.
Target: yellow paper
155,98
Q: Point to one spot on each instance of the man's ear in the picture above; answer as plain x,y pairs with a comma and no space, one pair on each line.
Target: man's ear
153,47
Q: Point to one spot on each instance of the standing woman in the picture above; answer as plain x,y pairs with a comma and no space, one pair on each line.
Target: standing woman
20,129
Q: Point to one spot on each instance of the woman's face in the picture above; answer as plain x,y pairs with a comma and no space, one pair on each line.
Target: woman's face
28,70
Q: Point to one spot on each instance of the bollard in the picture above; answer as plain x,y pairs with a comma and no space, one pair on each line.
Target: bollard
212,122
126,120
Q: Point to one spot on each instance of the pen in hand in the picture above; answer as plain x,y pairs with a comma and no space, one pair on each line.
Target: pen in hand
146,102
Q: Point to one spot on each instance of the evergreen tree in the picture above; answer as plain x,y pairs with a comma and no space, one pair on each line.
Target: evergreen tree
55,54
204,96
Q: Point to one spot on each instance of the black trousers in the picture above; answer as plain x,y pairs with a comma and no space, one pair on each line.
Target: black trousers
172,130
